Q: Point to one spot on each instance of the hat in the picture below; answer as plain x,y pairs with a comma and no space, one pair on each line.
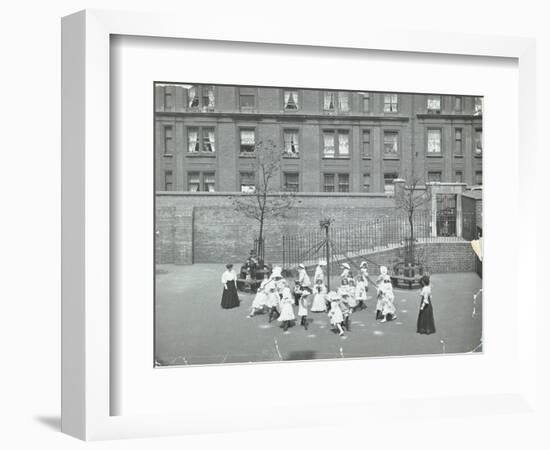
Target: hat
346,265
306,291
322,263
276,273
363,264
383,270
301,266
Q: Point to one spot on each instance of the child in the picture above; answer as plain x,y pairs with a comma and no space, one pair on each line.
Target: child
346,309
351,291
272,301
319,299
361,292
260,300
380,294
303,306
319,273
287,311
346,270
335,314
388,309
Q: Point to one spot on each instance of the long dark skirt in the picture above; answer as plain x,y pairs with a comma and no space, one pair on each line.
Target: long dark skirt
230,298
425,323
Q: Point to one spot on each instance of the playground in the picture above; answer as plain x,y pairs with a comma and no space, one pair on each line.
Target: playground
192,329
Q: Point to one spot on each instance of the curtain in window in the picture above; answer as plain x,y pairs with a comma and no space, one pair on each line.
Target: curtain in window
343,144
211,99
329,144
434,141
193,140
434,103
477,106
209,182
329,100
247,137
390,142
193,97
287,97
291,142
194,182
212,140
343,100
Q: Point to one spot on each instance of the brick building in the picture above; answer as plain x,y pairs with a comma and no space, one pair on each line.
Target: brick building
334,141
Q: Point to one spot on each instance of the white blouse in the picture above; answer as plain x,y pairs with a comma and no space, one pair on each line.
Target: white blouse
228,275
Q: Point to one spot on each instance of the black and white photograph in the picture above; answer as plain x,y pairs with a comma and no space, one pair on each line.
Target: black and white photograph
300,223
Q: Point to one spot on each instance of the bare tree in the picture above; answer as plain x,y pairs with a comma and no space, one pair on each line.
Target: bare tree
265,200
409,199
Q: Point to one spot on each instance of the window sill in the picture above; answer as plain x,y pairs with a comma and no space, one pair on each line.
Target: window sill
247,155
392,157
291,156
168,155
337,158
200,154
458,156
478,155
434,155
367,158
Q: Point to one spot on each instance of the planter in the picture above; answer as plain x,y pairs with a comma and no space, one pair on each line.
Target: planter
407,274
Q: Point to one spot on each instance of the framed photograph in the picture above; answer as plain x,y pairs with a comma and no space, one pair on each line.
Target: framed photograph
255,215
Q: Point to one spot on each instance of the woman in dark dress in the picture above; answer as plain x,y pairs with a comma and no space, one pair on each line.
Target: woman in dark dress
425,323
230,299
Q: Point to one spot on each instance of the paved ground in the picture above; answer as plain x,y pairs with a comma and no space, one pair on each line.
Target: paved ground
192,328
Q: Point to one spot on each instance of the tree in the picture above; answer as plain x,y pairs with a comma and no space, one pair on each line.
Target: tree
264,201
408,199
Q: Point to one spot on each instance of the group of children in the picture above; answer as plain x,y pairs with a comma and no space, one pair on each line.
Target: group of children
275,296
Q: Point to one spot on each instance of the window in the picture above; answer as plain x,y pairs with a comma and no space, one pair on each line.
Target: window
336,182
390,103
478,179
201,139
291,100
168,183
366,143
343,102
434,141
336,143
478,140
391,143
168,98
248,141
247,99
389,187
366,182
200,97
331,100
291,182
434,177
459,178
458,103
201,181
168,139
458,141
366,102
290,138
194,181
247,182
209,180
343,182
478,106
434,104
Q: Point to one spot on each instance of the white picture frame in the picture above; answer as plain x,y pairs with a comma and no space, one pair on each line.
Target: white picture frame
87,383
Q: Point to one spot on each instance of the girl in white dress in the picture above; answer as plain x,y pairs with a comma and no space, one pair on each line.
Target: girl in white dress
379,288
351,292
319,273
260,300
272,300
389,311
361,292
287,310
303,306
319,299
335,314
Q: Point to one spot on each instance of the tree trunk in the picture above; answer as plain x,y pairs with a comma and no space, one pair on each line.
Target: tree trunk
410,251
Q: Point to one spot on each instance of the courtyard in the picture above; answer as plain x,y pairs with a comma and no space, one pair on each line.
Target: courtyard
191,328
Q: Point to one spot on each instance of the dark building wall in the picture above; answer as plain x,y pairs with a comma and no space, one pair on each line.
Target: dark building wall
269,119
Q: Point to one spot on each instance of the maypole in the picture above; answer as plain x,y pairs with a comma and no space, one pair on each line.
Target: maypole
325,224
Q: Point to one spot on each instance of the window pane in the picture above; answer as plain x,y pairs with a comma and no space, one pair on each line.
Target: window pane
328,183
247,182
194,181
343,182
458,103
390,142
208,99
168,139
247,101
390,103
458,177
168,184
434,104
168,100
208,140
291,182
434,141
328,101
389,187
478,178
248,140
291,142
343,143
458,141
366,182
434,177
209,182
291,99
328,139
343,101
193,140
366,142
478,141
366,102
478,106
193,97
